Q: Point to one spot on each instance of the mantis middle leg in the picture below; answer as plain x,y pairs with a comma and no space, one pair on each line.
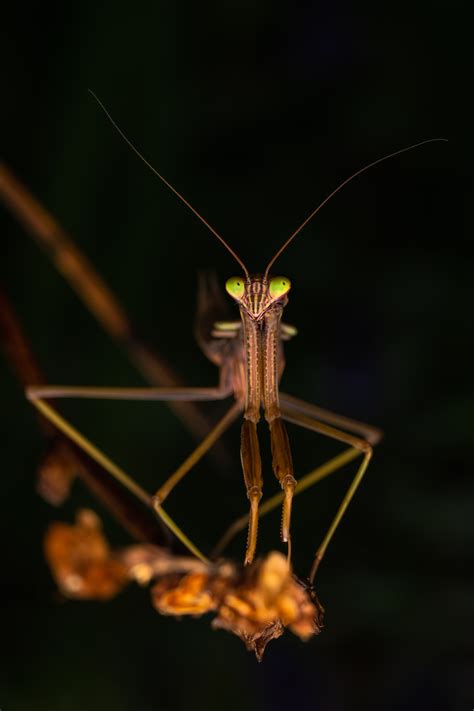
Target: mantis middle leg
38,394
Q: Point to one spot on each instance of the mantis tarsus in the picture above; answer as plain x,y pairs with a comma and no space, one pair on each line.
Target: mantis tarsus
249,356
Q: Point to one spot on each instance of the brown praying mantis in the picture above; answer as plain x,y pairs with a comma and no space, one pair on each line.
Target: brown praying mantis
249,356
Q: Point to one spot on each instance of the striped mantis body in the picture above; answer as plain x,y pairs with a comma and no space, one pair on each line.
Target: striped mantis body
249,356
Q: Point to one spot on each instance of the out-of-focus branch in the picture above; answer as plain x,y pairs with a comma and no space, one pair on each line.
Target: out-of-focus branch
64,459
98,298
18,353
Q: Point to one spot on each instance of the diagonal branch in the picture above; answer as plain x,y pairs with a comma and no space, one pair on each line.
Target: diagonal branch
64,459
99,299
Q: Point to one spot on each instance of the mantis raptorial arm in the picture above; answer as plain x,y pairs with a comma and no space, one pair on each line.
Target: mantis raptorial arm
295,411
273,502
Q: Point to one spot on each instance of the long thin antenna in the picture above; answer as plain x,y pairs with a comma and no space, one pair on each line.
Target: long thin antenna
183,199
343,184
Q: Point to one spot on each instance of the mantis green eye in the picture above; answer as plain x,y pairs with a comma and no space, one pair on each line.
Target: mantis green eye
279,286
235,286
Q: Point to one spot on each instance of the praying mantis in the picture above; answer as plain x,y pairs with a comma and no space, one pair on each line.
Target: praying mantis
249,356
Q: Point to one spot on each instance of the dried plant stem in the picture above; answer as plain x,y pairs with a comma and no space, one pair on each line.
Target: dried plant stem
97,296
65,455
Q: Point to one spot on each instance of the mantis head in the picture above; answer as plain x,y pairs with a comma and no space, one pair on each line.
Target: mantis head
257,294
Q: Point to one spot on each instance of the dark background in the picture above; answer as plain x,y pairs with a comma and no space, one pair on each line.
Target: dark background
255,111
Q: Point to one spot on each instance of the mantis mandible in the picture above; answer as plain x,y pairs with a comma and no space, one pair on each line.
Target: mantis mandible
249,356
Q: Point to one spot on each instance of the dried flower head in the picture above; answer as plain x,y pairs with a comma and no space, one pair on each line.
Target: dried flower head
81,561
256,603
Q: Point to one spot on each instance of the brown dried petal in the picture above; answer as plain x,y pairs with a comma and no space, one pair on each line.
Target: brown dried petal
309,620
256,640
188,595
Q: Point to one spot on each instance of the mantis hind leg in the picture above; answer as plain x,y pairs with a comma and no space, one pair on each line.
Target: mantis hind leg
293,413
372,434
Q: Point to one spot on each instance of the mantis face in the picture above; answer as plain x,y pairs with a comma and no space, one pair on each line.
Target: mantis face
257,294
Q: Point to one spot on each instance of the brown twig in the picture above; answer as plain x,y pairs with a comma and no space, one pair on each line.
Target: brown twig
98,298
64,459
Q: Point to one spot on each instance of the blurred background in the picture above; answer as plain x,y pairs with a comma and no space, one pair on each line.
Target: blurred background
255,112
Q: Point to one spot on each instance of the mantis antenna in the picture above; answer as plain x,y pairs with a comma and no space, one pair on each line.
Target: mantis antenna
183,199
343,184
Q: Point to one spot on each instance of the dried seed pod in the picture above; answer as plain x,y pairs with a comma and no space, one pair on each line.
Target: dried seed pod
188,595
